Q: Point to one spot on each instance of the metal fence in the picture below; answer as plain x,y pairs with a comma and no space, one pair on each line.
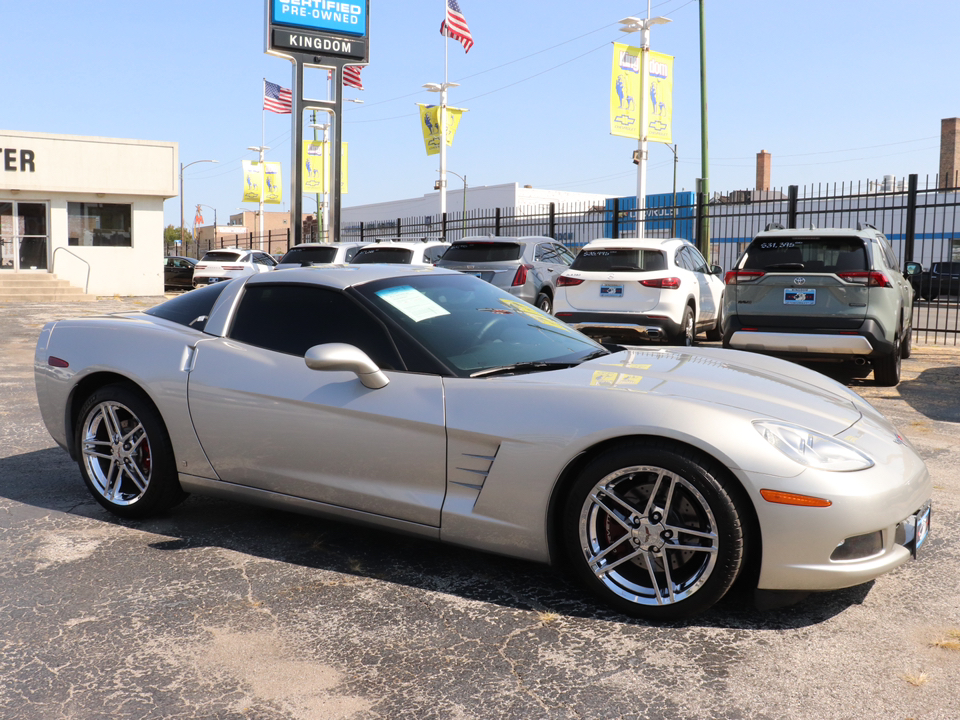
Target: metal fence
920,219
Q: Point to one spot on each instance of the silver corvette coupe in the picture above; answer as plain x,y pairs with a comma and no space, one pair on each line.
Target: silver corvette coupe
426,401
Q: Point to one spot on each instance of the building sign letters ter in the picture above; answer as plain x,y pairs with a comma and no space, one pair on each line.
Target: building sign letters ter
11,162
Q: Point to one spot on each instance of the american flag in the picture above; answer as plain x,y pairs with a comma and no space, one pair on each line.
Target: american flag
455,26
277,99
351,76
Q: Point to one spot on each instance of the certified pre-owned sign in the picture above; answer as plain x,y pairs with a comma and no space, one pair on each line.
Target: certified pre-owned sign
348,18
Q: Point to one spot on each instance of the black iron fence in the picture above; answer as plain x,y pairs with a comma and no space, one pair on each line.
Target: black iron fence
920,219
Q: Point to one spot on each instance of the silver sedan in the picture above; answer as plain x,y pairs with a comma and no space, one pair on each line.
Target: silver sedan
429,402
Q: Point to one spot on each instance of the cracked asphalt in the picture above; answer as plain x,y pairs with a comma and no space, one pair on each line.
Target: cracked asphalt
222,610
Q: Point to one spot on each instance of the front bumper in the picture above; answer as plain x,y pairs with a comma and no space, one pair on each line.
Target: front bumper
621,327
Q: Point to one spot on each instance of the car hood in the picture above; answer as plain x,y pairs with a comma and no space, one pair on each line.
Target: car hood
758,385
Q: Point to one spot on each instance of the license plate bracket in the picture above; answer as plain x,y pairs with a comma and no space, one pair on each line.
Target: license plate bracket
614,291
799,296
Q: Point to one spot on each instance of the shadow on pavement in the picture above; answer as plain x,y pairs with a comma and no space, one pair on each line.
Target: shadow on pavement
48,479
935,393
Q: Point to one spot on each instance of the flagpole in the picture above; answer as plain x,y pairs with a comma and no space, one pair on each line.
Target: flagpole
263,178
443,118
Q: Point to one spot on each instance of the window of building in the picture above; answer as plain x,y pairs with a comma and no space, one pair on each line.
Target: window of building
99,224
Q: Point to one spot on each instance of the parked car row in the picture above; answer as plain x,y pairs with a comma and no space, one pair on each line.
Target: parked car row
808,294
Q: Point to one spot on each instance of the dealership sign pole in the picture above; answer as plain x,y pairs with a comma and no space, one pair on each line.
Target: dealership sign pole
324,34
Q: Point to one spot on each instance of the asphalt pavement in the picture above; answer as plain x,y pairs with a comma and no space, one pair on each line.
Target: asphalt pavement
222,610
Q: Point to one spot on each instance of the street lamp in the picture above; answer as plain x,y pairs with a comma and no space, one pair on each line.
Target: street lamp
442,89
182,168
322,214
464,216
260,149
632,24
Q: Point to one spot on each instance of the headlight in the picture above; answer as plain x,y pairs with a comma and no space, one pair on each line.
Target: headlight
812,449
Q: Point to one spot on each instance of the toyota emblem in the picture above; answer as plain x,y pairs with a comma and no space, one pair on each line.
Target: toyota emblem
799,281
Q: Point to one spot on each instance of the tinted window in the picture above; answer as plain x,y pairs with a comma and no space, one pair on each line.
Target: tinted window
432,255
813,254
695,259
403,256
566,257
99,224
293,318
310,255
190,309
470,325
480,252
619,260
221,256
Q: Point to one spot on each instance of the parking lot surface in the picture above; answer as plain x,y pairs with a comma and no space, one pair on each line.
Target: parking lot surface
222,610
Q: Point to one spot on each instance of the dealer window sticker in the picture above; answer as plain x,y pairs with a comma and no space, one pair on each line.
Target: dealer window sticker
412,303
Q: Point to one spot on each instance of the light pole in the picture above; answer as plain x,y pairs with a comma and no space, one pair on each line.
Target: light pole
703,232
322,209
442,89
182,168
632,24
260,149
463,225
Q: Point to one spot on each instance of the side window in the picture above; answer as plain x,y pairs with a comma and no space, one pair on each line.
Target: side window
888,255
566,257
350,253
683,260
433,254
547,252
292,319
699,264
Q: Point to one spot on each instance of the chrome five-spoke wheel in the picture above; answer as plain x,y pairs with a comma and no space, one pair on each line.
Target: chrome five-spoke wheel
654,531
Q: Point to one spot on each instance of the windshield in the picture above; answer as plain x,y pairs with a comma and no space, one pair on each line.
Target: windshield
310,255
813,254
221,256
619,260
472,326
383,255
480,252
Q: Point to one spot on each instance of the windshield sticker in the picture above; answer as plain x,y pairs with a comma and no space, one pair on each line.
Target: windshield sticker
534,314
412,303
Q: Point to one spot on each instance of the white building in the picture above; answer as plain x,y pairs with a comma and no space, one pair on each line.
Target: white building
87,209
509,195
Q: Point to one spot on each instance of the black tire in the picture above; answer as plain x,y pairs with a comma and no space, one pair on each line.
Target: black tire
630,506
715,334
886,370
125,455
687,334
906,347
545,303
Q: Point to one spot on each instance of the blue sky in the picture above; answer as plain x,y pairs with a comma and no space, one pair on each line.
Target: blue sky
839,91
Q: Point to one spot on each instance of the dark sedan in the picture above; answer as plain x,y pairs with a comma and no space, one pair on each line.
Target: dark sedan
178,272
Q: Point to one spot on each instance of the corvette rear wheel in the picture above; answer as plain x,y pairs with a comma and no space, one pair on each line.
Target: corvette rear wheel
653,531
125,454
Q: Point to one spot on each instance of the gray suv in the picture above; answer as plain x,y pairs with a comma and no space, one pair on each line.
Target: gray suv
527,267
821,294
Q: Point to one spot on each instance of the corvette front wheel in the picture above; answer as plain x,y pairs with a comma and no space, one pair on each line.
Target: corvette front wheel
651,528
125,455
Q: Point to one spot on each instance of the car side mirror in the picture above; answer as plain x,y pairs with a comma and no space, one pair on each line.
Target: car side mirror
716,270
912,268
340,356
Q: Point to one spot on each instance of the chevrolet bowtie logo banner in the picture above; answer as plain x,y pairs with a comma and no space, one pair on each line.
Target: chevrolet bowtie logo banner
627,91
316,167
430,125
265,181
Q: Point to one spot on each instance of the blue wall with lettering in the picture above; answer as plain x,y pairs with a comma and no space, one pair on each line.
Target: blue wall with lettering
659,215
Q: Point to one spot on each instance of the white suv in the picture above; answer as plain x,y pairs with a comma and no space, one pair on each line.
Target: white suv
228,263
654,289
306,254
425,252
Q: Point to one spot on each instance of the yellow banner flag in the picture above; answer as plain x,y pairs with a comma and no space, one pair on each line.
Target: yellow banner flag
316,167
660,117
430,125
627,91
252,180
272,185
